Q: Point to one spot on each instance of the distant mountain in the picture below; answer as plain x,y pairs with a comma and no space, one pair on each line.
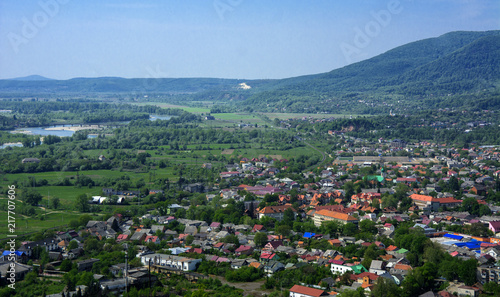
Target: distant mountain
454,64
118,85
32,78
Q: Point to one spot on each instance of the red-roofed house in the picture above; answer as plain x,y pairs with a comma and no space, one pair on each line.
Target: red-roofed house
121,237
267,256
153,239
243,250
301,291
196,250
258,228
392,248
215,225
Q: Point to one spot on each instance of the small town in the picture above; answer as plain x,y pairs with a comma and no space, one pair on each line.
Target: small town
360,223
233,148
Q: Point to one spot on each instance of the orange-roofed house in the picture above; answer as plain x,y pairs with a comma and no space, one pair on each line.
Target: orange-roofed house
401,269
257,265
275,212
324,215
335,242
431,203
365,278
301,291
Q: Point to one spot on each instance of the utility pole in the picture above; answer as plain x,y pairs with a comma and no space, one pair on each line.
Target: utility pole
126,271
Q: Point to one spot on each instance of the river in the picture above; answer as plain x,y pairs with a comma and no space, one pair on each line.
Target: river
69,130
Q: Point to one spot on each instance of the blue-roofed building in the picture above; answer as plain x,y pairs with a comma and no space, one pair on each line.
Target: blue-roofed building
309,235
453,236
17,256
471,245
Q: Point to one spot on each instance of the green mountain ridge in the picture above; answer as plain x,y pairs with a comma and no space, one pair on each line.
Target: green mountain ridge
455,63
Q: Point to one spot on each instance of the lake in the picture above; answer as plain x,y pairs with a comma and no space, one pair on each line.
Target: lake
5,145
67,130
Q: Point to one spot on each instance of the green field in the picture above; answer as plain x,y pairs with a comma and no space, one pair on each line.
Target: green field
25,225
286,116
167,105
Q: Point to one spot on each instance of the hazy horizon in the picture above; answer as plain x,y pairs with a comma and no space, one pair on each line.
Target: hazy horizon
235,39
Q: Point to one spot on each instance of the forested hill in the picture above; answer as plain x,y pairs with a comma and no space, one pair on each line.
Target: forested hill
118,85
454,64
457,62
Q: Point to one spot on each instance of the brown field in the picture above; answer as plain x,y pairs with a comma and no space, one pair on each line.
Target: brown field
279,157
227,152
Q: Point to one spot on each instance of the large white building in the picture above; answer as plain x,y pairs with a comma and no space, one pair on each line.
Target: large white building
176,262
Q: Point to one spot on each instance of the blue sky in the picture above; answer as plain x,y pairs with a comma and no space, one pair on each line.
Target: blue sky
248,39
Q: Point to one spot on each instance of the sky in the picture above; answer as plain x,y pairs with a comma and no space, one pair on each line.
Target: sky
244,39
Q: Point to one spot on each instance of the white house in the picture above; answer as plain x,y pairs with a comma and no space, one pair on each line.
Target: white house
176,262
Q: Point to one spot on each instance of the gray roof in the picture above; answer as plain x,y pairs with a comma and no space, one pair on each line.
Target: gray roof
377,264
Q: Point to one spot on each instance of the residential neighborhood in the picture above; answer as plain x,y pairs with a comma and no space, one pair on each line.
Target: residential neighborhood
355,224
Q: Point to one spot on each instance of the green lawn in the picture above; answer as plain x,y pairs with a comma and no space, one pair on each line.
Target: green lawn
285,116
29,225
167,105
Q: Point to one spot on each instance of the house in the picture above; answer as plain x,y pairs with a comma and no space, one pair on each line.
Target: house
30,160
273,245
195,188
258,228
118,268
155,228
174,262
494,226
49,244
121,237
55,256
75,253
377,267
153,239
338,267
86,265
273,267
239,263
20,271
301,291
465,291
324,215
17,256
493,251
139,236
268,256
480,190
256,265
275,212
243,250
402,269
426,202
365,278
